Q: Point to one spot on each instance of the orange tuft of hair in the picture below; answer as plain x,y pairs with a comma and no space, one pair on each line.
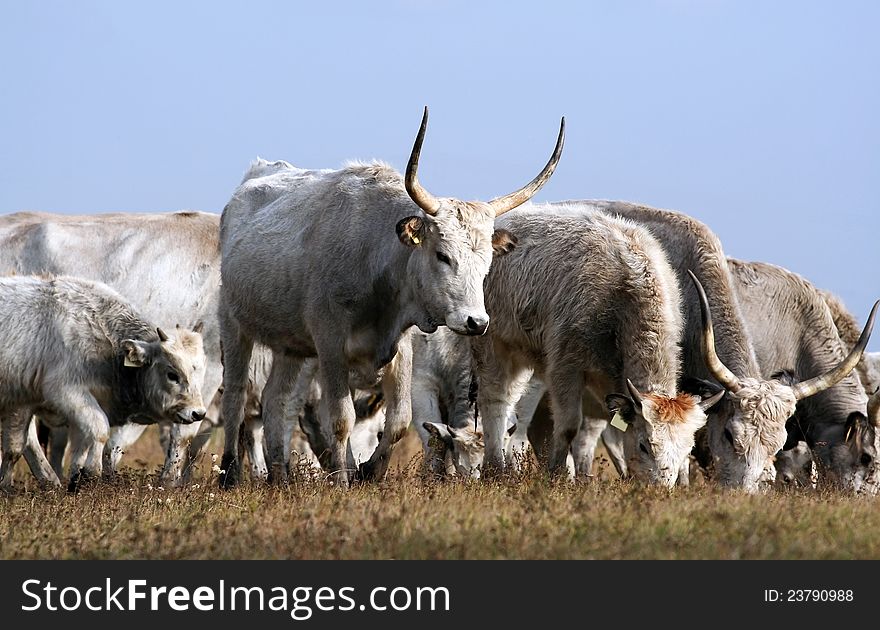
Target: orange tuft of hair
673,410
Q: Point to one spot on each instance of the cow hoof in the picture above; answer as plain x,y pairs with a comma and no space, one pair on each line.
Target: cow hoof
366,472
277,475
230,473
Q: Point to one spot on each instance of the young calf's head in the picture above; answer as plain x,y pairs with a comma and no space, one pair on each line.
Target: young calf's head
453,244
795,467
464,447
749,426
169,373
660,431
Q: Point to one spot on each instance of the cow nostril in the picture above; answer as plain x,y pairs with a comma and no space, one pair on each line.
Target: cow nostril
198,415
476,326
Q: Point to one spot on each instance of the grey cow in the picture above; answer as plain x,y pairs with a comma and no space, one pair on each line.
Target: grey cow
588,301
166,265
338,265
749,427
77,350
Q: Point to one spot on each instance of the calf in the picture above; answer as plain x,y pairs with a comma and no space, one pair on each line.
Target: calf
76,350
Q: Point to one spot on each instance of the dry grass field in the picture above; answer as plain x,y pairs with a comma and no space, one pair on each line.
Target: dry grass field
410,517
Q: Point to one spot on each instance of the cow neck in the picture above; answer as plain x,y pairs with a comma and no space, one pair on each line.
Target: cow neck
127,394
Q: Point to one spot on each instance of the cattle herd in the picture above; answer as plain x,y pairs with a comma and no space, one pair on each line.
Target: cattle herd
325,311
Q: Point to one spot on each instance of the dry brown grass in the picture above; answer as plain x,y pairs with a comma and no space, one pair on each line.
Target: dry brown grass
410,517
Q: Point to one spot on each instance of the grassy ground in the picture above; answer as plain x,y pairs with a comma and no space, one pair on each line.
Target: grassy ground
409,517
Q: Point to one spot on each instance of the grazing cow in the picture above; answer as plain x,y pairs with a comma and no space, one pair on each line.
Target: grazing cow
795,337
588,301
791,328
748,428
79,351
311,267
795,467
166,265
442,401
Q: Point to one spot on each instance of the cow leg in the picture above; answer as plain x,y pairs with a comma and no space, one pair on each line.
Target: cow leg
502,379
120,440
237,350
256,446
566,393
336,408
396,385
36,458
196,449
12,443
426,408
583,446
89,431
277,399
613,440
518,447
175,471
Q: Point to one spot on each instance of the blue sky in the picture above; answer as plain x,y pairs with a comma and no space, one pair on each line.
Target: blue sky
760,118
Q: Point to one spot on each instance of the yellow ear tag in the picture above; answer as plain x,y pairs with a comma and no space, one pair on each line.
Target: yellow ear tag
617,422
415,239
127,363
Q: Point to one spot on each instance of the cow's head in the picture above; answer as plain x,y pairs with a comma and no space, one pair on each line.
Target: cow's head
169,373
464,447
453,243
660,431
795,467
748,427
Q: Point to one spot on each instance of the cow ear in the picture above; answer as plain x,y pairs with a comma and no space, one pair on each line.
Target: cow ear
412,231
856,423
623,405
700,387
199,327
136,353
503,242
786,377
440,431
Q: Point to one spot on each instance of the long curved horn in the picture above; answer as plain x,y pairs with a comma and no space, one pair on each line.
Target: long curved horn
832,377
425,200
720,371
508,202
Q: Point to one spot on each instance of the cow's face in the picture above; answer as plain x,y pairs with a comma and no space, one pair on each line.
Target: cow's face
454,241
795,467
846,454
660,432
464,446
171,373
748,429
452,253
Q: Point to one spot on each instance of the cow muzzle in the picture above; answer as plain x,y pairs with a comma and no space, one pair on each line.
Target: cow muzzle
468,323
188,416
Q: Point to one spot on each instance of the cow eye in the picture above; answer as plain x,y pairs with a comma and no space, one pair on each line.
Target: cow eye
173,377
443,258
644,448
379,435
866,459
728,436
